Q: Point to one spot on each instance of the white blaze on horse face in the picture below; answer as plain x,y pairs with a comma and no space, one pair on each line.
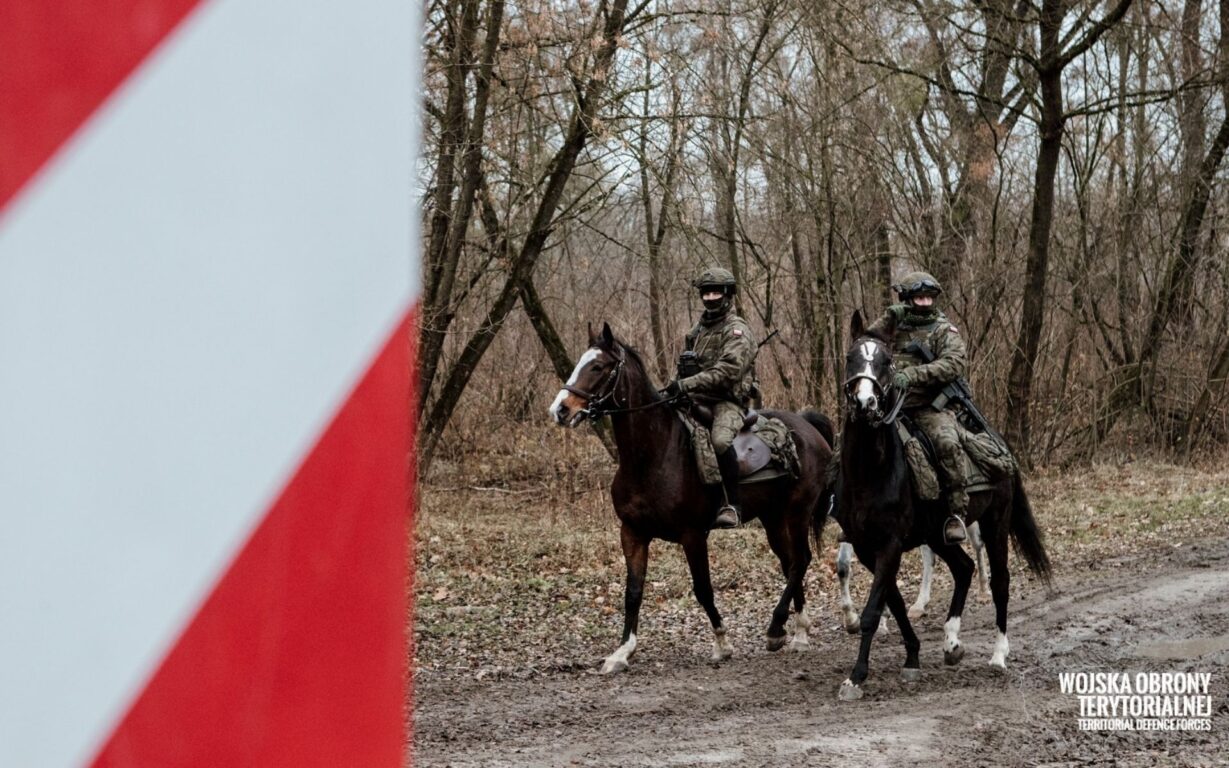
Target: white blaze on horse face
864,390
589,356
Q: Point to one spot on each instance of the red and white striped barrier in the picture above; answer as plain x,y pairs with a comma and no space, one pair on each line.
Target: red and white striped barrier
207,273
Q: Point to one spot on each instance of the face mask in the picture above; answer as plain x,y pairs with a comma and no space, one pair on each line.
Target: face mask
712,305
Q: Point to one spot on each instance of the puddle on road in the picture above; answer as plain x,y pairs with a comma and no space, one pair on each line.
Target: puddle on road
1183,649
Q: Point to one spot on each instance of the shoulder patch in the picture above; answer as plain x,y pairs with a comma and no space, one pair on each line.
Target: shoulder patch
737,331
953,329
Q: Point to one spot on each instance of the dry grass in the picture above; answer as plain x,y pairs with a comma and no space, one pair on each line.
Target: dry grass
519,570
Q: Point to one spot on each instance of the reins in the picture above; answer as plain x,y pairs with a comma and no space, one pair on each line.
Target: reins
597,403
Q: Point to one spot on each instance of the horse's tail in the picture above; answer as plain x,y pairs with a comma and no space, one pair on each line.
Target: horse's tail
822,424
1024,532
819,516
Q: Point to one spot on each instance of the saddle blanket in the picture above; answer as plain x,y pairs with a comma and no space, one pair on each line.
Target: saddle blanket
987,459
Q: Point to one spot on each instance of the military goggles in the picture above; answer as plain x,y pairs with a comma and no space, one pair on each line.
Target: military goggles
921,285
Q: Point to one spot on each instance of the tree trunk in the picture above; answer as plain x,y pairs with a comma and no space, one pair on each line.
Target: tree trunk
437,309
1032,318
580,127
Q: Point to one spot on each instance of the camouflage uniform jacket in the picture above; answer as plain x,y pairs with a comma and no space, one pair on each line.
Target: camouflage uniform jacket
926,380
725,351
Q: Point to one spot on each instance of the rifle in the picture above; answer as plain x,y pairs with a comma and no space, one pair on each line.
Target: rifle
957,391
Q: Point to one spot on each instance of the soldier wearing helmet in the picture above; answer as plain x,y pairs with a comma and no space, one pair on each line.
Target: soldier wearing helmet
721,376
918,319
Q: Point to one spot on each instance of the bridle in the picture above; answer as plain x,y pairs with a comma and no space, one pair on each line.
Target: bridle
597,403
877,417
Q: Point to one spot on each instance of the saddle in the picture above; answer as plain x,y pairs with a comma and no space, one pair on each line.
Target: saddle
764,446
752,452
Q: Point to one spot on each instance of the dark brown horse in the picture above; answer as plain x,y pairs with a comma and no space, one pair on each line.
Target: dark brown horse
882,517
658,492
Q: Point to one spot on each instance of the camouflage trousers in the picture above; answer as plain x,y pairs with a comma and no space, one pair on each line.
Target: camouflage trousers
727,420
941,428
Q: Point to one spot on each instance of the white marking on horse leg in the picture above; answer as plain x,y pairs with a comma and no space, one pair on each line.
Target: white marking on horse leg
918,609
951,634
617,661
844,557
1001,648
849,691
802,626
721,645
979,549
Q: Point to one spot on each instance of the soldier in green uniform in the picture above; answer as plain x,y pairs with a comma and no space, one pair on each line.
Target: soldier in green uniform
918,319
725,354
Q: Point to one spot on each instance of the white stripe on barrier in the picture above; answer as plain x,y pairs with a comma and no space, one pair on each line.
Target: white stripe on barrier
186,294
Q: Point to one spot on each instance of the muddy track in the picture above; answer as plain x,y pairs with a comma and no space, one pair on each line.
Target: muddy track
1166,611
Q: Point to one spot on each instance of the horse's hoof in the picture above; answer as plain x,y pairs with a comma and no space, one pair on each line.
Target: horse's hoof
916,613
910,674
800,644
952,658
613,667
853,622
849,692
777,643
998,668
725,654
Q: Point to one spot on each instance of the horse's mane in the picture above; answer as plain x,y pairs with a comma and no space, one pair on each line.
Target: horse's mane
634,355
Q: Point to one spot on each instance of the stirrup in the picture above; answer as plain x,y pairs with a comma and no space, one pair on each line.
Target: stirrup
964,532
727,517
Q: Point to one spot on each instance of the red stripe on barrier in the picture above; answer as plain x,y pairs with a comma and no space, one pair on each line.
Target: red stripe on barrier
58,62
299,655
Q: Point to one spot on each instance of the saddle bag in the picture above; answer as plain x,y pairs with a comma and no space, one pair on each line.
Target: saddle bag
925,479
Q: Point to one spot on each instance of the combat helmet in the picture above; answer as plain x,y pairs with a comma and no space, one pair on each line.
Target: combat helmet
716,278
917,284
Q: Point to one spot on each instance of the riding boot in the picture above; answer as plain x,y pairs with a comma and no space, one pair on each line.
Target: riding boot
958,505
730,515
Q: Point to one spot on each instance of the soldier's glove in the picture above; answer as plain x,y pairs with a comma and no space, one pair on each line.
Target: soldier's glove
673,390
901,381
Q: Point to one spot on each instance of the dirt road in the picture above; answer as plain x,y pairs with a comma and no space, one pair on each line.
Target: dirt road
1164,611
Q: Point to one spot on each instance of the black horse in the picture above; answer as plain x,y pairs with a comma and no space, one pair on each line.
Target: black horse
658,492
883,518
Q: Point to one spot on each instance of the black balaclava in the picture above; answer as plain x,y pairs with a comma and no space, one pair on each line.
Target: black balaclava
715,309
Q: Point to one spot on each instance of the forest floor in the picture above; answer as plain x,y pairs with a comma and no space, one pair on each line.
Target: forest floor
518,597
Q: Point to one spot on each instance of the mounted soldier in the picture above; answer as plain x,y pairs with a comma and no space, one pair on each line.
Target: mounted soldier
717,370
929,354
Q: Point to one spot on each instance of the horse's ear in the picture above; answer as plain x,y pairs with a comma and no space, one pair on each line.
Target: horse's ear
857,329
592,336
606,341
